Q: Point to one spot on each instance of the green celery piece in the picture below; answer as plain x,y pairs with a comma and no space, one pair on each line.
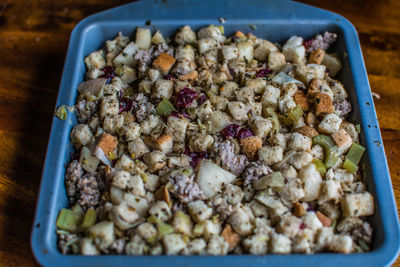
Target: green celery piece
350,166
164,108
329,148
153,219
292,116
67,220
320,166
164,229
90,219
221,29
355,153
358,128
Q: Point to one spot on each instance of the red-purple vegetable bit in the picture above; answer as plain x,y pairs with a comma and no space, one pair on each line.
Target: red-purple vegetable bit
196,157
263,72
236,131
179,114
201,99
125,103
170,77
185,97
109,73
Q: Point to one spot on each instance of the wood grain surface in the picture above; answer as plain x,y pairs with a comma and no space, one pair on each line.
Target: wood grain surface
33,43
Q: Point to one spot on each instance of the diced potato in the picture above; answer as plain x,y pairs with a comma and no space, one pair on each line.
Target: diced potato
143,38
211,178
332,63
126,57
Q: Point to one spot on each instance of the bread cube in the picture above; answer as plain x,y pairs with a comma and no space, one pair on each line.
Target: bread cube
143,38
163,89
211,31
357,204
228,90
342,139
240,221
145,87
146,231
286,103
310,219
246,50
185,35
299,142
161,211
217,246
305,73
280,244
340,244
271,96
288,225
185,51
113,124
136,186
276,60
301,159
137,148
95,60
270,154
177,128
312,180
258,85
196,247
329,124
316,56
263,50
200,142
229,52
156,160
212,228
323,104
294,50
219,120
199,211
206,44
121,179
256,244
107,143
260,126
245,94
109,108
81,135
173,244
164,63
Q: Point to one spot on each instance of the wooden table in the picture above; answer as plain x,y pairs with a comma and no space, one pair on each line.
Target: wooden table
33,43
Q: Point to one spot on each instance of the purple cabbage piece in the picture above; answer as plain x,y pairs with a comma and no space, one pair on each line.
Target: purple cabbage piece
320,41
170,77
236,131
201,99
109,74
263,72
196,157
185,97
125,104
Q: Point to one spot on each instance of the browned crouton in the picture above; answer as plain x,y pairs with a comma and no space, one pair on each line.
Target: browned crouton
191,76
238,34
164,143
326,221
315,86
342,139
307,131
107,143
299,210
164,63
310,119
250,146
301,100
230,236
323,104
163,194
316,56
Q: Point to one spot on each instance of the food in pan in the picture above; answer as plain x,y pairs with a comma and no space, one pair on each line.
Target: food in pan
204,144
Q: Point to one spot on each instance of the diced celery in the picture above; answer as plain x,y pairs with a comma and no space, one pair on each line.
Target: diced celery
292,116
61,112
350,166
153,219
363,246
355,153
67,220
164,108
329,148
358,128
164,229
198,230
320,166
90,219
221,29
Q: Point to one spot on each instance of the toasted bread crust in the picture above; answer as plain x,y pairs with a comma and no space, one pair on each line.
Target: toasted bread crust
164,63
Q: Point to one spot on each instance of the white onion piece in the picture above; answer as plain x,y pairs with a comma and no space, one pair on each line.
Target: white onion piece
283,78
99,153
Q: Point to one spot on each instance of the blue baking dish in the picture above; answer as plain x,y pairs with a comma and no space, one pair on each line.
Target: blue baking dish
275,20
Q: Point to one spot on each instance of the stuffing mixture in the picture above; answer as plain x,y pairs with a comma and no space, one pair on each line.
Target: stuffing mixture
207,144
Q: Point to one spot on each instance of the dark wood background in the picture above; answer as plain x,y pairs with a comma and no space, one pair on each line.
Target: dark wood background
33,43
